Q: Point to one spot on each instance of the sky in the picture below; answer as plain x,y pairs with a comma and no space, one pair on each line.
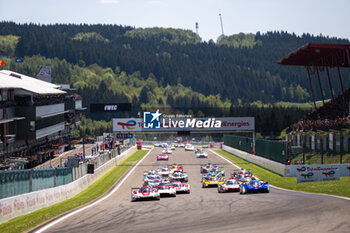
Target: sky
326,17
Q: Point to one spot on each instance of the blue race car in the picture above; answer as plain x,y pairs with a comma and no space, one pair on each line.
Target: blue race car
254,186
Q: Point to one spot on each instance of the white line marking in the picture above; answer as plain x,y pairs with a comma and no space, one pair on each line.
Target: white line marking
95,203
288,190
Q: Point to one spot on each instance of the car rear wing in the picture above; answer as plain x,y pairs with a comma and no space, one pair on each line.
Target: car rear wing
135,188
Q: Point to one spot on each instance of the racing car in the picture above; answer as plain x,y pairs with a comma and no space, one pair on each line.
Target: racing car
178,176
145,192
155,178
151,173
254,186
166,190
176,167
229,185
241,172
189,147
162,157
181,187
207,167
167,151
152,183
201,154
212,181
165,171
212,168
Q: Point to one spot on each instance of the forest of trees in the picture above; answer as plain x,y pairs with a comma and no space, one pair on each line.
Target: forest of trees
169,68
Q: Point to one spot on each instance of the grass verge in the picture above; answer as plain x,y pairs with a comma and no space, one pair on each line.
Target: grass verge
102,185
337,187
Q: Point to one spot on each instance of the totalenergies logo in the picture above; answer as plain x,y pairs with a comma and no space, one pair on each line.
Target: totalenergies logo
302,169
329,173
129,124
308,175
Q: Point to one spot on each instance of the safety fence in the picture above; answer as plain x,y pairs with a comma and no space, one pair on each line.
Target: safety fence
273,150
15,182
319,147
23,181
18,205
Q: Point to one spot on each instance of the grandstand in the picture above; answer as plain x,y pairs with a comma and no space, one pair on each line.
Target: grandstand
316,58
332,115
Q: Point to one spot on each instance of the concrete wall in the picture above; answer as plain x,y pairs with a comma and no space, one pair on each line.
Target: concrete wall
23,204
265,163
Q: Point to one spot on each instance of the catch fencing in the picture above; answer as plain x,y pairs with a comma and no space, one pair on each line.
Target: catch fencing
319,147
273,150
23,181
18,205
16,182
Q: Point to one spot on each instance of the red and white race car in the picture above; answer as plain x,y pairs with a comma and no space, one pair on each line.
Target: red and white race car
176,168
144,192
181,187
229,186
162,157
166,190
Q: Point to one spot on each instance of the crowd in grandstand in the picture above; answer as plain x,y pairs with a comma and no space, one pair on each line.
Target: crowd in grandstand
332,115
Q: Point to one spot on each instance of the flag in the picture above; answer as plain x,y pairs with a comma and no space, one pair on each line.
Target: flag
2,63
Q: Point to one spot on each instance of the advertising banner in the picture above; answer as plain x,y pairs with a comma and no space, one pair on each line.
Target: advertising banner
329,175
307,176
153,122
127,125
310,173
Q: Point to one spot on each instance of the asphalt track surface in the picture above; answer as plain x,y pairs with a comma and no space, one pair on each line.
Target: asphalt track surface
206,210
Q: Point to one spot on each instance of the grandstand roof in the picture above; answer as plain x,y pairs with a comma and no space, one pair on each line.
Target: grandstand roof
13,80
331,55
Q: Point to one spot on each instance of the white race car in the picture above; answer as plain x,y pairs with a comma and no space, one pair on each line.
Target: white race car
156,178
144,192
165,171
201,154
166,190
178,176
189,147
151,172
228,186
167,150
181,187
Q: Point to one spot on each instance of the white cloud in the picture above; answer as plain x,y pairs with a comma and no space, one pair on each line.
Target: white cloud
109,1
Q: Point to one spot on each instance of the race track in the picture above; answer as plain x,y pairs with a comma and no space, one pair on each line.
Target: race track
205,210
